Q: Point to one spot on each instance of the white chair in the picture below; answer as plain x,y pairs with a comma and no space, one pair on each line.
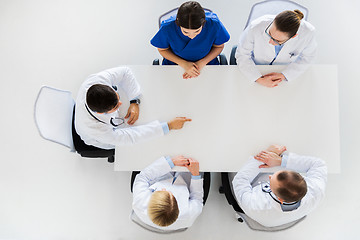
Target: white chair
53,115
138,221
272,7
54,118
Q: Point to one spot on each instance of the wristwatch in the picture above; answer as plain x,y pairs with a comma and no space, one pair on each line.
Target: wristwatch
136,100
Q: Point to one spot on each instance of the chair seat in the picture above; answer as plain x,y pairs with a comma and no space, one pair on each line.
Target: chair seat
88,150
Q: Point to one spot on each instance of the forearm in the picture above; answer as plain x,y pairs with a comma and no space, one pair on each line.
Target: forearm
242,181
214,52
169,55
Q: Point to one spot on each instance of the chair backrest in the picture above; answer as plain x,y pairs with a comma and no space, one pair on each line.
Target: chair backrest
138,221
274,7
173,12
254,225
53,115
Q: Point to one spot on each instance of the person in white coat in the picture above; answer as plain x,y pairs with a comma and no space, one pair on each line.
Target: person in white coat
285,39
163,199
98,120
287,196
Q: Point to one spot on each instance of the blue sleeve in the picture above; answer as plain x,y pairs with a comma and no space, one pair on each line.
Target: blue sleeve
160,40
195,177
165,128
222,34
170,162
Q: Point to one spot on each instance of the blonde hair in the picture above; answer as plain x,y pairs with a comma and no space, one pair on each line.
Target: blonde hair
163,209
289,21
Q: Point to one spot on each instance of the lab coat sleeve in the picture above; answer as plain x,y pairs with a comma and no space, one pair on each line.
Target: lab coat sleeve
303,61
316,174
124,78
195,199
244,54
242,182
126,136
145,178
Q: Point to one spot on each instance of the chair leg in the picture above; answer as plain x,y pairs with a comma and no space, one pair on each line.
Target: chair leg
156,61
133,176
111,159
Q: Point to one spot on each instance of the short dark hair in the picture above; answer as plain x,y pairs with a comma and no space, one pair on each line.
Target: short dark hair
101,98
293,186
289,21
190,15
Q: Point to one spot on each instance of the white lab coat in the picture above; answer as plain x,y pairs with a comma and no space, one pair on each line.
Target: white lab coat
261,207
254,49
106,136
156,177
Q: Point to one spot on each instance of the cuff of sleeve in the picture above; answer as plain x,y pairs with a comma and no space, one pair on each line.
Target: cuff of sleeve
165,128
196,177
285,157
285,77
135,98
168,159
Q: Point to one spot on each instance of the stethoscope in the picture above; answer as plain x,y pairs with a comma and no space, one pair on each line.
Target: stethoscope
285,206
121,120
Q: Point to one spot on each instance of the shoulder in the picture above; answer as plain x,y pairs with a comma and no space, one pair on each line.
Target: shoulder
261,22
212,19
168,23
306,28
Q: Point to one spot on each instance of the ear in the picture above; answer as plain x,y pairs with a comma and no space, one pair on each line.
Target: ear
294,36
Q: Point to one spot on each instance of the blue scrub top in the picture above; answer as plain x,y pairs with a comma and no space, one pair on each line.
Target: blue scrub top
170,36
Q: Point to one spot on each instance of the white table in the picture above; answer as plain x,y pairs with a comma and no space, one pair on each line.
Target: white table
234,118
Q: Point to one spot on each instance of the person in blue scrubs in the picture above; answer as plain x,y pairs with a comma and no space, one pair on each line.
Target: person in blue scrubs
192,39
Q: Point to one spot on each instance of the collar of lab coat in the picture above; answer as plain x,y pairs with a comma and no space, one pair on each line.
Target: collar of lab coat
179,189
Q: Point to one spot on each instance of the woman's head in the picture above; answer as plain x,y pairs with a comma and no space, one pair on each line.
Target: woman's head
190,18
284,26
288,22
163,209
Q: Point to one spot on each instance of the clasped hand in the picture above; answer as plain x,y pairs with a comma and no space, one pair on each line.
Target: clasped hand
271,156
191,164
271,79
192,69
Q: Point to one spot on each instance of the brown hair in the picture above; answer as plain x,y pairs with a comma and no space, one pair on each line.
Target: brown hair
292,186
163,209
190,15
289,21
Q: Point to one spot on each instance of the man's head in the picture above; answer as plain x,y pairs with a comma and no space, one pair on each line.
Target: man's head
163,209
288,186
102,99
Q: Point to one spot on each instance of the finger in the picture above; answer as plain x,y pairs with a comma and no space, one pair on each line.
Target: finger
128,113
196,68
131,118
187,119
264,166
196,71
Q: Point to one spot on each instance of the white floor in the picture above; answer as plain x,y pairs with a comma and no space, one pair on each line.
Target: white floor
47,192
